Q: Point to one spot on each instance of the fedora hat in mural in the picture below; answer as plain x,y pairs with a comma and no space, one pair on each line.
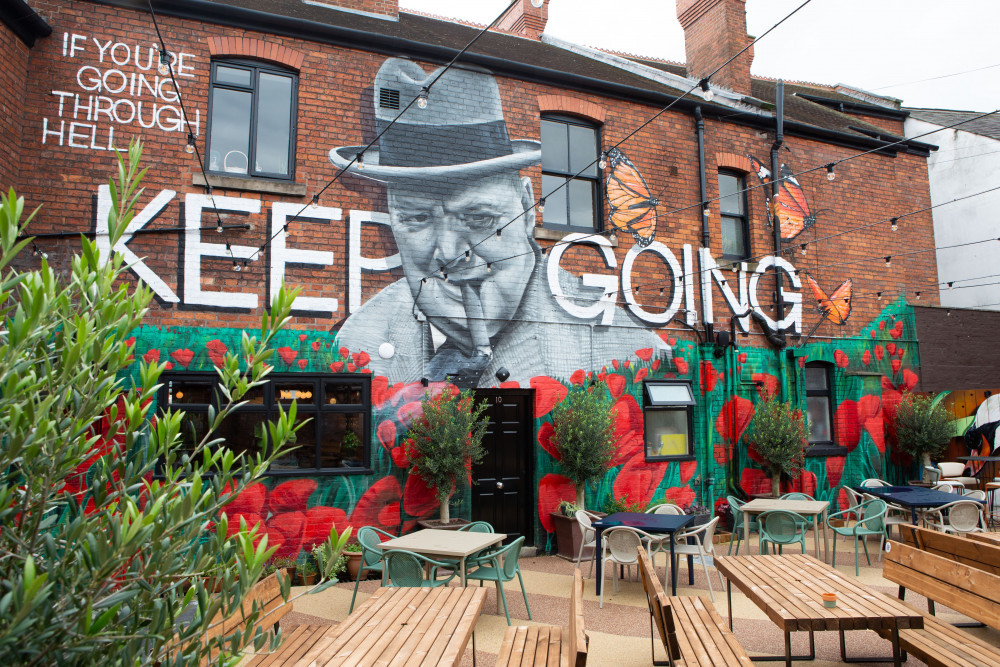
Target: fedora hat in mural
460,134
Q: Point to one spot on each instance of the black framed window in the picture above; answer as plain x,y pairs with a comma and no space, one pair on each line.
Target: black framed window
819,408
668,420
734,220
570,145
251,119
338,407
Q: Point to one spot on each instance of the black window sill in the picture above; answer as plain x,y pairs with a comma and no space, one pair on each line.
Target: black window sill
670,459
559,232
302,472
250,184
826,449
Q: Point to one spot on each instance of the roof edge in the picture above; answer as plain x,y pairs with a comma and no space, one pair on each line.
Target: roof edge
24,21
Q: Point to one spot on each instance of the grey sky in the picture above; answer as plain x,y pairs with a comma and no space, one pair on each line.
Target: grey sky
872,44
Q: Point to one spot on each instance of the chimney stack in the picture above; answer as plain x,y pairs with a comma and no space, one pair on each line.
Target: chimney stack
525,19
714,31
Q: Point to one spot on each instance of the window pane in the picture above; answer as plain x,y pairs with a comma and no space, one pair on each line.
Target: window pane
819,418
242,430
582,150
555,200
669,394
230,141
254,396
732,237
730,194
301,392
341,393
666,433
274,123
194,426
183,391
816,378
581,203
342,440
555,151
304,442
233,75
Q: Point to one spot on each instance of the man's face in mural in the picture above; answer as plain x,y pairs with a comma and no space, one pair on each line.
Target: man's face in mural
436,223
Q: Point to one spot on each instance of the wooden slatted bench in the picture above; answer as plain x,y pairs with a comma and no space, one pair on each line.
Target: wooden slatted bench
691,630
962,587
549,644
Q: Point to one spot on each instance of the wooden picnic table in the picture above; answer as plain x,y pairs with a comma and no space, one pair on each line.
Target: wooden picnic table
814,508
789,588
988,538
449,544
395,626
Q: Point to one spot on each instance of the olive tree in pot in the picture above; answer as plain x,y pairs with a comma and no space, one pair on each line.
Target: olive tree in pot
584,434
446,442
779,435
923,428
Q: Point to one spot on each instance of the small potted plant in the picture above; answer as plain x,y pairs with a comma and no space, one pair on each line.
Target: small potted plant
700,513
354,556
779,435
287,564
350,445
923,428
567,529
306,573
445,442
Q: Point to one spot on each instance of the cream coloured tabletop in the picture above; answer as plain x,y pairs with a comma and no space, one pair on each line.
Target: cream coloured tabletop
456,544
813,508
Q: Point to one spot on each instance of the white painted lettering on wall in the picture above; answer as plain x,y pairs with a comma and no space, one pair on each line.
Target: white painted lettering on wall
116,84
677,280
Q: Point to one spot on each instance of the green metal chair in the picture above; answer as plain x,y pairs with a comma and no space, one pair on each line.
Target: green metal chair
405,569
779,527
474,558
491,569
797,495
478,527
371,556
871,521
738,518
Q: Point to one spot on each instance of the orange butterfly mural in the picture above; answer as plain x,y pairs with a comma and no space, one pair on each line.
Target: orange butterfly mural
837,306
788,208
631,207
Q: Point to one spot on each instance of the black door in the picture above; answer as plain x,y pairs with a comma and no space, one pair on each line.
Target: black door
502,485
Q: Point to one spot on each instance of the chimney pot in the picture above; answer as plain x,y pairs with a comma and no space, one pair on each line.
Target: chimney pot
714,31
524,19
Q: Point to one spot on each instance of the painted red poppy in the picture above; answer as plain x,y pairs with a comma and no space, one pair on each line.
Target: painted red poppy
408,412
890,348
250,501
151,357
303,337
386,433
896,365
846,425
628,430
379,506
742,357
881,325
682,496
344,353
287,354
319,521
709,376
655,365
419,499
767,384
337,366
290,496
910,380
841,359
687,470
351,367
733,419
637,480
616,384
361,359
682,365
552,490
577,377
290,526
315,346
804,483
834,470
216,351
545,433
183,357
879,352
614,363
754,481
303,363
640,375
896,332
645,353
866,358
548,393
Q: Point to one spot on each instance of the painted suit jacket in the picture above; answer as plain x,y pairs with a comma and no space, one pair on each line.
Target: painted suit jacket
541,339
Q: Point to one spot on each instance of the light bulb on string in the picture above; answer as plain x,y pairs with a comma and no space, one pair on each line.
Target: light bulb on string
489,267
236,266
189,148
878,295
894,224
229,247
888,261
499,233
804,245
918,296
360,161
537,3
951,285
603,163
706,92
314,204
706,211
468,255
830,173
422,98
541,205
164,66
218,227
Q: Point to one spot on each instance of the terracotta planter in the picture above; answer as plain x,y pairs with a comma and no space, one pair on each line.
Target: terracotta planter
454,524
354,559
307,579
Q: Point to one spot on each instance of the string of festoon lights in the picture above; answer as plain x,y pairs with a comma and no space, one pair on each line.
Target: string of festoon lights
165,68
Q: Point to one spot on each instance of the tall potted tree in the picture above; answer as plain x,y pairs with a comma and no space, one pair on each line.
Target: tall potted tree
923,428
446,442
779,436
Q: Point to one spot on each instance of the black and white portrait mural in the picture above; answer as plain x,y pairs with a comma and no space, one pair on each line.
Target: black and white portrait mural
479,302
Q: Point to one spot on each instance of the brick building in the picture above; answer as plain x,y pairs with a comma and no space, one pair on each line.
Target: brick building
651,266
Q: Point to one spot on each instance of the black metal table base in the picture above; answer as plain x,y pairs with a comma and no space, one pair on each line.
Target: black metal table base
898,655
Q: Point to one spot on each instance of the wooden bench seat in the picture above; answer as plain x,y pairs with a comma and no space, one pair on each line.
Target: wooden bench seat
691,630
549,644
946,572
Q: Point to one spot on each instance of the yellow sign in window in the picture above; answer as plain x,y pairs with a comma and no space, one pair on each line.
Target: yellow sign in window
673,444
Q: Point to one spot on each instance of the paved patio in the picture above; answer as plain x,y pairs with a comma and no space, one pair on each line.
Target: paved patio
619,633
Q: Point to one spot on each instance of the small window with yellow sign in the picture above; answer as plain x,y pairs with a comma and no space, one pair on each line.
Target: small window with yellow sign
667,420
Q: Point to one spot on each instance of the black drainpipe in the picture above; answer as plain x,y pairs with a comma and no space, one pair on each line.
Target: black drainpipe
779,139
699,126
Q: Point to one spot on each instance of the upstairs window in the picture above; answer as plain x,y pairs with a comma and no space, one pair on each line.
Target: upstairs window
735,225
335,408
819,409
667,418
570,145
251,128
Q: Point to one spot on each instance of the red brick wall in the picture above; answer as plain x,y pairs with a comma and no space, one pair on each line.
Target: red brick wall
387,7
13,74
335,83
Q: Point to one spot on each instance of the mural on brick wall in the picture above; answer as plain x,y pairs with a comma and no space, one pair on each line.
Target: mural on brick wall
475,303
788,207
